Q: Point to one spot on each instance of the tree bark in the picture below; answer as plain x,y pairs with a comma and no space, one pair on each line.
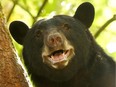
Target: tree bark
11,73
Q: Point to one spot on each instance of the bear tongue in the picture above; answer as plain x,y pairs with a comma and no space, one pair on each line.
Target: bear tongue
58,57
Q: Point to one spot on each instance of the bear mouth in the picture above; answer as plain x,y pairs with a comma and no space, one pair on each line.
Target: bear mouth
59,56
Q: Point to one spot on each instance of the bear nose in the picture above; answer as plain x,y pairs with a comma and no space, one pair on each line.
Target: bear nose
55,40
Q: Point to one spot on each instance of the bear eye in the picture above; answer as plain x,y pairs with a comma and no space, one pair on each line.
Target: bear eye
38,33
66,26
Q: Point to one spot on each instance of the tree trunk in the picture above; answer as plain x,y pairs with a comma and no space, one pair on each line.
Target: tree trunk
11,73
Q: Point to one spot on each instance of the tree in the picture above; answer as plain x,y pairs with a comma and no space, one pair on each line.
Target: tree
11,73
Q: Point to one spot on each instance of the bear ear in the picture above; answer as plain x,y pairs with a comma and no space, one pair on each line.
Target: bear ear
18,31
85,13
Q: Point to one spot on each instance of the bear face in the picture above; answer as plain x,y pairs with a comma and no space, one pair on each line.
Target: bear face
55,38
51,44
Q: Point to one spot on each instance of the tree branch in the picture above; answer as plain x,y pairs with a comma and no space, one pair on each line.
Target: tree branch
14,4
104,26
40,10
25,10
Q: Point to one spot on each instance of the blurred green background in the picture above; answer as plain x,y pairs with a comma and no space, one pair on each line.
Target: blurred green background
30,11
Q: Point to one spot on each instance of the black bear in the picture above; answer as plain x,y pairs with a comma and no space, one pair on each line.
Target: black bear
61,52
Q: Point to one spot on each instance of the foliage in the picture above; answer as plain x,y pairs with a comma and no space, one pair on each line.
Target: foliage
30,11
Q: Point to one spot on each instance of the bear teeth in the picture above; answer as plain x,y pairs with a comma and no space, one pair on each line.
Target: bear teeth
58,52
58,56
